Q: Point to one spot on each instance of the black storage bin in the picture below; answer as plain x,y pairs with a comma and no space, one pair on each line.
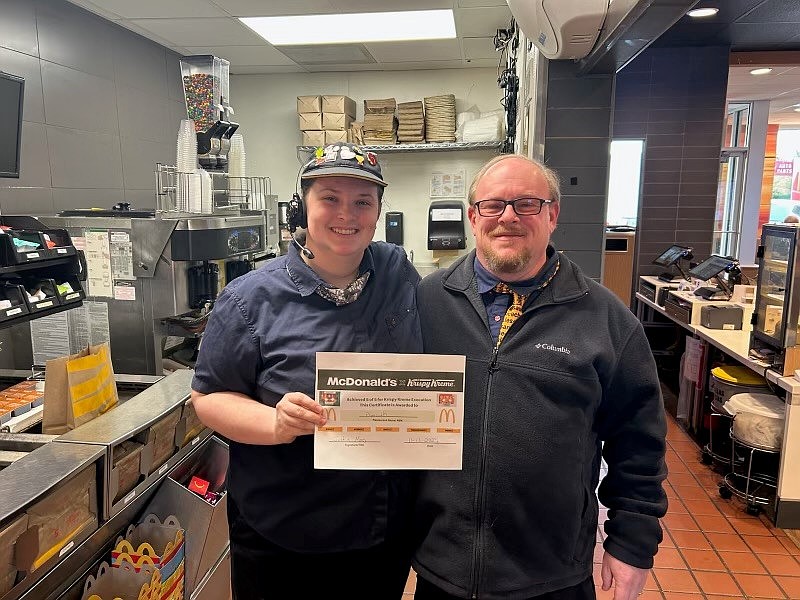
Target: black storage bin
16,295
48,286
12,255
76,295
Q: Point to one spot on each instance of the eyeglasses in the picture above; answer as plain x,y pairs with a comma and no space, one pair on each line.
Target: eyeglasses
521,206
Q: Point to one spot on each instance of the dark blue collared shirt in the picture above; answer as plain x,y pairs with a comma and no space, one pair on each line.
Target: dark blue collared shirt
261,341
497,304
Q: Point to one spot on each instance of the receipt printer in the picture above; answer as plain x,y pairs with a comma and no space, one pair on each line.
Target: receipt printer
446,225
720,316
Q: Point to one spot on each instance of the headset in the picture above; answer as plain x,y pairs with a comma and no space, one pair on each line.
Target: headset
296,216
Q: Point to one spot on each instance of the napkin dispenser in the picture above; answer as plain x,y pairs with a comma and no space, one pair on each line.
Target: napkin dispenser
446,225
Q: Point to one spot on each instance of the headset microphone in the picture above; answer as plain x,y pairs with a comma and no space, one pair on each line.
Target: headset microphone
303,249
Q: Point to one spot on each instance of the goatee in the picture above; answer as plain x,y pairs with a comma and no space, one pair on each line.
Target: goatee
508,264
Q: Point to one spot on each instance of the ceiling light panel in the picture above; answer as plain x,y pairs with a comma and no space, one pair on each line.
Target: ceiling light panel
701,13
350,28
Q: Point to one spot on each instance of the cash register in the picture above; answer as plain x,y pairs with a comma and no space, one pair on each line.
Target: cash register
712,268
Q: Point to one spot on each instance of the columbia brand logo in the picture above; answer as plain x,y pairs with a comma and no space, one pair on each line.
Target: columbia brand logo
553,348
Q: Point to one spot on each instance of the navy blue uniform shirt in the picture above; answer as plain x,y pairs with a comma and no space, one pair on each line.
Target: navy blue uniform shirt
497,304
261,341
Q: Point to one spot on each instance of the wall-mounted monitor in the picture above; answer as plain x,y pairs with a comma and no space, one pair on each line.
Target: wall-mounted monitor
713,265
12,92
672,255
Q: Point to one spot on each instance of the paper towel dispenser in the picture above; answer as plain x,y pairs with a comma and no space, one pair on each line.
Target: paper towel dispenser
446,225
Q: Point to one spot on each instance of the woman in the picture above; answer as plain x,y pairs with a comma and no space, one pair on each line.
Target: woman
296,532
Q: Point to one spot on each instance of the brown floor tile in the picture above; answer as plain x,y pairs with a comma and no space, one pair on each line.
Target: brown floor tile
651,595
790,585
690,492
717,583
790,546
667,542
670,491
669,558
716,597
701,507
650,582
764,545
727,541
690,539
680,521
714,524
676,580
703,560
748,526
682,447
742,562
682,479
759,586
781,564
676,466
731,508
682,596
676,506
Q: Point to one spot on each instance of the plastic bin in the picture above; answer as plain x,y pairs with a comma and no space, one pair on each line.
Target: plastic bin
16,295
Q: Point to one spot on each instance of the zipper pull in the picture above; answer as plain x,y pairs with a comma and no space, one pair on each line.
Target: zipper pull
493,362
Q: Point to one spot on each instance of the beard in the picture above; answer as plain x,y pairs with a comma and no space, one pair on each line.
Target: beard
506,263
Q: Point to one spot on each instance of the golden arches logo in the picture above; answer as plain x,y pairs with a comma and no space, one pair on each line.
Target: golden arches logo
447,415
330,413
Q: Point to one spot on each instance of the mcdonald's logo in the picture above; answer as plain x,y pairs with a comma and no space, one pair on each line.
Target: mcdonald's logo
447,415
330,413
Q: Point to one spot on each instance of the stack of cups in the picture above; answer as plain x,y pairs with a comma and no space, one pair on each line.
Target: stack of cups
204,203
237,167
187,193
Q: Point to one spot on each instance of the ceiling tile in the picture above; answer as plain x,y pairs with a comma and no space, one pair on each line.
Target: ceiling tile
481,47
161,9
197,32
259,8
328,54
422,50
99,11
407,66
480,3
243,56
481,22
259,69
773,11
355,6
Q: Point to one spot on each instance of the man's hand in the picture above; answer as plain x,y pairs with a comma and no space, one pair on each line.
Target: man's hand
628,581
297,414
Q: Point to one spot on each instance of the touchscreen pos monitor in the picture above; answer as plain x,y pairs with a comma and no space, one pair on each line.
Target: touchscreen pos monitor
711,268
672,256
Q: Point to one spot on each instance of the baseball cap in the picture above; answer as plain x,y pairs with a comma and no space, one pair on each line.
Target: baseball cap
344,160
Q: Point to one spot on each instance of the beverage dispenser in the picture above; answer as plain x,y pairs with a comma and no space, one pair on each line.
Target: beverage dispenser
206,81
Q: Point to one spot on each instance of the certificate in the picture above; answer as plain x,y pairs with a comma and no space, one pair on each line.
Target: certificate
389,411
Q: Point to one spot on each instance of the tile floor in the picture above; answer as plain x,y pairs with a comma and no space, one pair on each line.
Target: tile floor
712,548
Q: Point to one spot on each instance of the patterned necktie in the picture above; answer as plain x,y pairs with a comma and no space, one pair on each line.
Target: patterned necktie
514,309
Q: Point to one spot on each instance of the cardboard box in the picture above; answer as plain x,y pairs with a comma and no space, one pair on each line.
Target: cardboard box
334,136
336,121
313,138
339,104
206,524
164,438
309,121
189,426
9,535
309,104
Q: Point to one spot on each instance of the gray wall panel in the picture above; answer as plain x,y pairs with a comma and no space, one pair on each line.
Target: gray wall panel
578,122
75,38
94,84
84,159
18,26
34,163
141,198
140,63
26,66
26,201
582,209
139,158
78,100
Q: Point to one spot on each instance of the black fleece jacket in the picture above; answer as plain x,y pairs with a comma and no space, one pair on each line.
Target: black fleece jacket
573,375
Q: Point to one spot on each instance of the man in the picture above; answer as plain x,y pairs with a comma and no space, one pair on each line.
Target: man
544,391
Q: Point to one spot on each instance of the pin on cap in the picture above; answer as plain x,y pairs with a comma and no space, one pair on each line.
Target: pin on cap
344,160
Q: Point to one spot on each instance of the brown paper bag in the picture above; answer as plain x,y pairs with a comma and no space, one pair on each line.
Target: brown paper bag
77,388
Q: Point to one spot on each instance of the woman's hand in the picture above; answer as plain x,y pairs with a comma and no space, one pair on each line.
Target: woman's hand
297,414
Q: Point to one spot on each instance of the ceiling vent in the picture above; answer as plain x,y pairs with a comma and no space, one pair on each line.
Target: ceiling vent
328,54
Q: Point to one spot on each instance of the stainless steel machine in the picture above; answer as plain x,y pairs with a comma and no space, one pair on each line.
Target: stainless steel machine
159,275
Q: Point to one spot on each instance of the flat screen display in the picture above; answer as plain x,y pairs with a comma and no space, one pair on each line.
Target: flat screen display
671,255
711,266
11,96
